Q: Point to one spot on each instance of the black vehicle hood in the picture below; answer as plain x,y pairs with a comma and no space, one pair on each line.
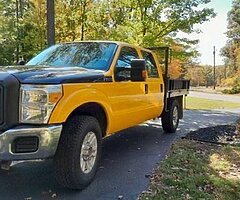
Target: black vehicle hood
53,75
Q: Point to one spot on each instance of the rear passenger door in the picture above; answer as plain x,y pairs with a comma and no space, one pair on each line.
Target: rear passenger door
154,82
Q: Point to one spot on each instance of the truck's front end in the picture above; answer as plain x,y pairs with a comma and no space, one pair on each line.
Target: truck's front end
24,114
29,95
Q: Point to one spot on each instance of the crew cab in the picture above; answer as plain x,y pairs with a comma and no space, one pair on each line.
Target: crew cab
66,99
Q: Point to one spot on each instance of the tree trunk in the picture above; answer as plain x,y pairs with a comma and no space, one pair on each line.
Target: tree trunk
17,25
50,23
83,18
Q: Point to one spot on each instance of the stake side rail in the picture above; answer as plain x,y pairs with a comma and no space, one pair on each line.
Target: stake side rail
177,87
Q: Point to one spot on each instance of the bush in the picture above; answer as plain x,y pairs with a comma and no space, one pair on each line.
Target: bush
228,82
235,89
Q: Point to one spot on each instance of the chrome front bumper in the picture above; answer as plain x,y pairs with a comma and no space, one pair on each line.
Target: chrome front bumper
48,137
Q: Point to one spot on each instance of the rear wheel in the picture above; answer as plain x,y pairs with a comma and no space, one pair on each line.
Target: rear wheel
170,119
79,152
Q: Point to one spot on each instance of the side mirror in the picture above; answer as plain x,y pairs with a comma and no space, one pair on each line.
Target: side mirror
138,70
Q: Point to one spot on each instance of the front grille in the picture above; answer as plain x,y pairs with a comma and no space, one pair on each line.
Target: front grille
1,104
9,98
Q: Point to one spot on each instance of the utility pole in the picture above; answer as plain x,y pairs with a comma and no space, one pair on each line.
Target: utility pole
50,23
214,67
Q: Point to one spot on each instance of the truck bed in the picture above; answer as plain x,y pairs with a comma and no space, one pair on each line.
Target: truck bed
177,87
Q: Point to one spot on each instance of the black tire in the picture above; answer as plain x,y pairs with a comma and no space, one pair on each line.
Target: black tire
68,170
168,119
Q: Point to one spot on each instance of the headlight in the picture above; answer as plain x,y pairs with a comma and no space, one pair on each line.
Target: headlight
37,102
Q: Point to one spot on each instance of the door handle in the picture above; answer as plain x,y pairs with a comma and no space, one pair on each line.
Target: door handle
161,88
146,88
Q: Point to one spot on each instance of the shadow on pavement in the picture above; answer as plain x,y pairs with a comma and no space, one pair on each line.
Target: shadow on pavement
128,158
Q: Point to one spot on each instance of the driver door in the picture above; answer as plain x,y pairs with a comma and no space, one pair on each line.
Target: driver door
128,98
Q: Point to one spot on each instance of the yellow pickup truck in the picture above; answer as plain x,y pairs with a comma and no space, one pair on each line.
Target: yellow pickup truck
66,99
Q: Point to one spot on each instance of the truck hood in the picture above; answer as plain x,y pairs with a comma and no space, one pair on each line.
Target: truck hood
53,75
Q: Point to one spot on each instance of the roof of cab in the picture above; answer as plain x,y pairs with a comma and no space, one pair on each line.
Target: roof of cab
100,41
109,41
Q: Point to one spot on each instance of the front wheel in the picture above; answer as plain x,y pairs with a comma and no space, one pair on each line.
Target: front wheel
170,119
79,152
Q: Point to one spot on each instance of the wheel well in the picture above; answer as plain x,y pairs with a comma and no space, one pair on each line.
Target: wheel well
179,99
94,110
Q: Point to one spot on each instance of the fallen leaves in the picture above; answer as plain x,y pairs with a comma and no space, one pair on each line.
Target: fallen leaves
187,172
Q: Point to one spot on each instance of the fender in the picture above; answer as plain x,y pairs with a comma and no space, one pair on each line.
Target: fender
75,95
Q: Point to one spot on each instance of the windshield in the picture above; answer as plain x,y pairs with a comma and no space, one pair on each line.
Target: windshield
89,55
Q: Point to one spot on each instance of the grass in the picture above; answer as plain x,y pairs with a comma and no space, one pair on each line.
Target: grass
210,89
195,170
194,103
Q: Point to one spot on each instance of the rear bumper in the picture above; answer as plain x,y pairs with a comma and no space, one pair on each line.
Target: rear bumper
48,137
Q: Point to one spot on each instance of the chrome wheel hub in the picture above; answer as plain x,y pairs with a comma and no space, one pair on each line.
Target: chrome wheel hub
88,152
175,116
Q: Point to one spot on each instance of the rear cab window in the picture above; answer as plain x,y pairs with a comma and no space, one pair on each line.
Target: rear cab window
150,64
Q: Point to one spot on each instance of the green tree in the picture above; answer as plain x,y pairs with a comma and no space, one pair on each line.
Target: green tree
232,49
72,19
145,23
23,29
8,32
33,28
150,21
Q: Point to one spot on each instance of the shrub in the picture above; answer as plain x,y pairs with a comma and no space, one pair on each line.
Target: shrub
228,82
235,89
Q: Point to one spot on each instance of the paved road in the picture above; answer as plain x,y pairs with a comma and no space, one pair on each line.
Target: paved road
127,158
222,97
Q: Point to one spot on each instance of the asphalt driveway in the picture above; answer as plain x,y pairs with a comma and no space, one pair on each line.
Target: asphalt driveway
128,159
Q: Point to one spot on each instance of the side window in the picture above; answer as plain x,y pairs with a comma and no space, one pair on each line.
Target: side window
150,64
123,66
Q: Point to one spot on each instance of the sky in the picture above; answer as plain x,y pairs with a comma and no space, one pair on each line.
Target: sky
213,32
